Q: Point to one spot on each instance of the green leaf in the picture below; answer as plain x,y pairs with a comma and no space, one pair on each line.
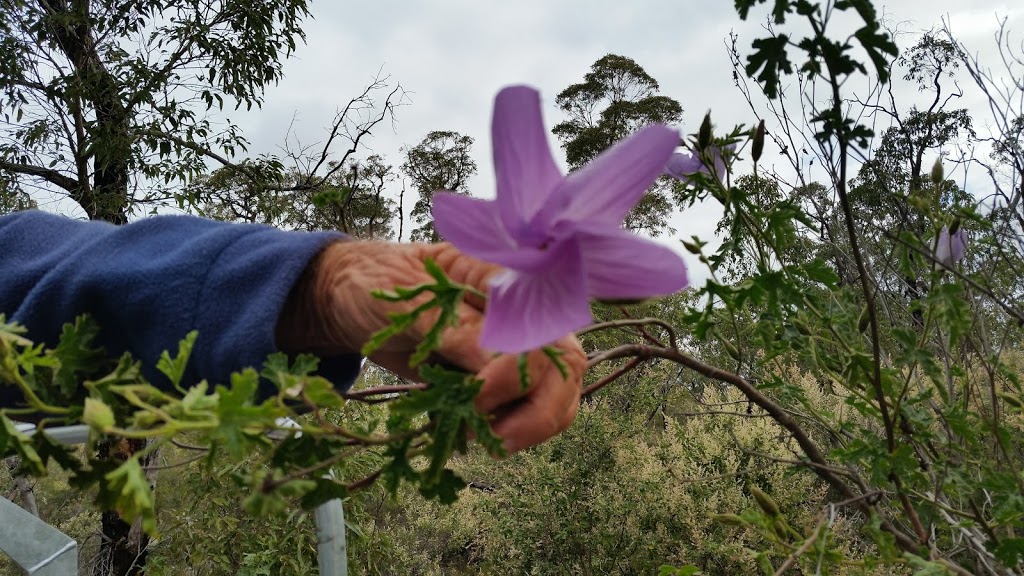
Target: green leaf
326,489
771,60
76,355
174,368
1010,551
131,494
446,296
13,442
241,421
555,355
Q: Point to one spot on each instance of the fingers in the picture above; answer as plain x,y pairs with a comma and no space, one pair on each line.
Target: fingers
524,418
541,415
463,269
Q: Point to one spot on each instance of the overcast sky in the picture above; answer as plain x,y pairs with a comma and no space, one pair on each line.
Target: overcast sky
452,56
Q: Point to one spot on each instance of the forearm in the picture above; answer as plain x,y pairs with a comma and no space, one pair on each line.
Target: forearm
149,283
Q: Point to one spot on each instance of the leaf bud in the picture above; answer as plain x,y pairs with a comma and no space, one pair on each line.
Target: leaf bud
780,528
704,135
801,327
691,247
622,301
1012,400
731,349
97,415
757,146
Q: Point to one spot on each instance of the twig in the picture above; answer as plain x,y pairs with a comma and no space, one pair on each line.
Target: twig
803,547
184,446
360,484
382,390
185,462
611,377
634,322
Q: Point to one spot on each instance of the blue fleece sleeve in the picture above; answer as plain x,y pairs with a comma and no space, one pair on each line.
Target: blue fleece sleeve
149,283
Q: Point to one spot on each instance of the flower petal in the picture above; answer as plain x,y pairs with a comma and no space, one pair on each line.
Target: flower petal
474,226
528,310
525,171
682,165
608,188
958,245
622,265
942,248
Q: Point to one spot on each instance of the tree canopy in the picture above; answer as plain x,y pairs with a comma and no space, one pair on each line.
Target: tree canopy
108,102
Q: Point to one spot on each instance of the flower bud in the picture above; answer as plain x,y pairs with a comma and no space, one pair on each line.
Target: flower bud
954,226
764,501
704,135
864,321
691,247
1012,400
801,327
729,519
730,348
757,146
937,172
622,301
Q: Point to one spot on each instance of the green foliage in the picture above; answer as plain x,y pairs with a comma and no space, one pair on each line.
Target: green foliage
350,198
441,161
117,403
617,494
829,401
824,57
139,82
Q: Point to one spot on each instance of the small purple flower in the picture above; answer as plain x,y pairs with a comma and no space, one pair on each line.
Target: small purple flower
683,165
560,237
950,248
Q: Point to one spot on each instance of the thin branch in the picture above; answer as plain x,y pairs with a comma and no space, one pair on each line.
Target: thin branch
822,522
633,322
611,377
51,176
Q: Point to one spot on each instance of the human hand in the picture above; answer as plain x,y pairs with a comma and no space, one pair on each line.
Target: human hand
332,311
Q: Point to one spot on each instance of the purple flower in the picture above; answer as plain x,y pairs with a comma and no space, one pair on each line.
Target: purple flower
683,165
559,236
949,249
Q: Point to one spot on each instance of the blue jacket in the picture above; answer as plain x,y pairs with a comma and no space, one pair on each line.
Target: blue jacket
149,283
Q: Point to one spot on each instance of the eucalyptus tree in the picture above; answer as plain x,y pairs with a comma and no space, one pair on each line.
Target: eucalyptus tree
110,102
441,161
355,200
616,98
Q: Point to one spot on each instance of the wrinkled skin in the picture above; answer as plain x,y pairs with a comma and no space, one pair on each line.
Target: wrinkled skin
332,312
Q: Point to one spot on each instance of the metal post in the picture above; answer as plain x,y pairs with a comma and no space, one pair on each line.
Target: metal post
39,548
45,551
332,549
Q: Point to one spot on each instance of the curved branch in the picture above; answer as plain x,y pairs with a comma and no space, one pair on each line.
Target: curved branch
48,174
816,459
